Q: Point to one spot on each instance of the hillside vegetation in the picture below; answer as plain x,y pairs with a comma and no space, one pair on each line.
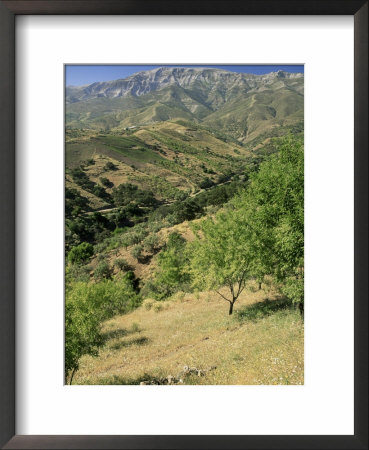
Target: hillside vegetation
184,233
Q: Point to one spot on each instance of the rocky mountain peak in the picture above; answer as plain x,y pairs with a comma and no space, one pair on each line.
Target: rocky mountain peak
144,82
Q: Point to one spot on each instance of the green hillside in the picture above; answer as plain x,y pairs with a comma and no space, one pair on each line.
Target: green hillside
184,229
168,158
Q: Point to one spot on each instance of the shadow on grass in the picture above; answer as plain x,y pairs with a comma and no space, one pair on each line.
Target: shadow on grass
121,332
115,334
138,341
263,309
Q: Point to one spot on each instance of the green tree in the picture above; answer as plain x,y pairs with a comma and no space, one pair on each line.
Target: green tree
221,255
80,253
172,274
273,206
87,305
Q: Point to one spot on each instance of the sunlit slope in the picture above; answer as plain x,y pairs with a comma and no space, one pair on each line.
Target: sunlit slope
248,117
261,344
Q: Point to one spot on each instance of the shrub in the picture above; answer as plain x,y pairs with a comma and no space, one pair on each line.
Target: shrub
106,182
81,178
134,237
136,251
110,166
80,253
86,307
206,183
172,274
156,226
100,247
74,202
147,303
135,328
102,271
126,193
160,306
122,264
78,273
100,192
176,240
157,306
151,243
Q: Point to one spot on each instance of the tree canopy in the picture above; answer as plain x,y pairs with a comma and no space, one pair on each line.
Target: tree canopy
273,205
260,233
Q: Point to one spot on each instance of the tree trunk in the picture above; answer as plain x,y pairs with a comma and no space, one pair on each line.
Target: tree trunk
72,375
230,308
301,308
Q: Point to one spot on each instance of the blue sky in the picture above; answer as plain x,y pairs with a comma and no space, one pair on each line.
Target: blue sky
78,75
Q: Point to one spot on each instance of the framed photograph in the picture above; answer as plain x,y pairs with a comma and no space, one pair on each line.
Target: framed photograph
184,241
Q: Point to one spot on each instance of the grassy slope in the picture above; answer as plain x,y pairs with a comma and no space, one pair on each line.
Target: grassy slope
195,330
257,113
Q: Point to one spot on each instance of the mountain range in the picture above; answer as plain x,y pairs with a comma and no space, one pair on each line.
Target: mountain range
245,107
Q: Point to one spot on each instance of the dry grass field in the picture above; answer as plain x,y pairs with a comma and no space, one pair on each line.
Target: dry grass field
261,343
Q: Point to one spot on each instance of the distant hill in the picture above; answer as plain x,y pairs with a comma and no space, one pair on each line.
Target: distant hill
242,106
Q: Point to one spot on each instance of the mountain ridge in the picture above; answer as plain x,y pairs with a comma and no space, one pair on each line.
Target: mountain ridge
242,106
141,83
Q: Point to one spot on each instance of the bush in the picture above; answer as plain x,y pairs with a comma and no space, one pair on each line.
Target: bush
105,182
78,273
100,247
80,253
122,264
155,226
126,193
110,166
74,202
100,192
176,240
172,274
90,229
151,243
102,271
206,183
134,237
136,251
86,307
81,178
157,306
147,303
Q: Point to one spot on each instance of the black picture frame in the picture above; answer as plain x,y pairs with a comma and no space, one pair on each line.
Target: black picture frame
8,12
